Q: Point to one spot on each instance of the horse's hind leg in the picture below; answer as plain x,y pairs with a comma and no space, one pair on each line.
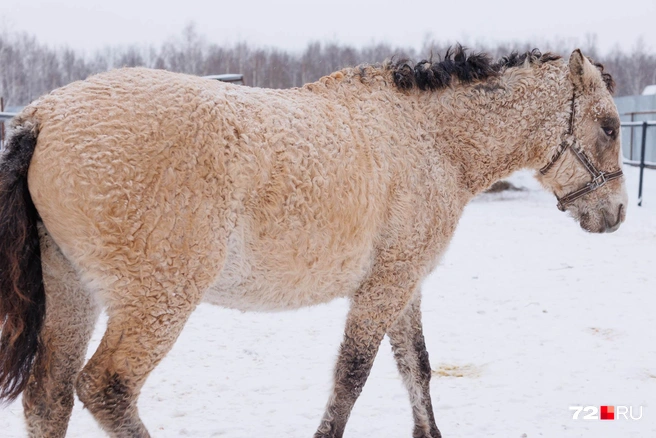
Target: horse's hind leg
71,314
412,360
138,336
146,313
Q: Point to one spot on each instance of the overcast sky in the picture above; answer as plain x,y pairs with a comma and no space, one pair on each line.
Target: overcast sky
291,24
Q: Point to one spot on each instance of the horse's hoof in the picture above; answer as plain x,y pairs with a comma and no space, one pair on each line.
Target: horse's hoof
434,433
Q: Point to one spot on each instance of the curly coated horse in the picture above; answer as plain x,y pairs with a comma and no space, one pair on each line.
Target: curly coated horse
144,192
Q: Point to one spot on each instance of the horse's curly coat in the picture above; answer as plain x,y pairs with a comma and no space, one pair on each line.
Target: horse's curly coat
158,190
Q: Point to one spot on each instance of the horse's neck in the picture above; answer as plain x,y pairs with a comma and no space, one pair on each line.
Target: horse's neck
491,131
486,130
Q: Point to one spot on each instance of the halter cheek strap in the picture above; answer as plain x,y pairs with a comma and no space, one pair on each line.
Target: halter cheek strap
599,178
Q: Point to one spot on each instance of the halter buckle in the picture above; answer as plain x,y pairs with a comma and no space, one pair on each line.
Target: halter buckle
598,181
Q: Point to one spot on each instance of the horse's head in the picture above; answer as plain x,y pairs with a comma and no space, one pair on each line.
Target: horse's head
585,171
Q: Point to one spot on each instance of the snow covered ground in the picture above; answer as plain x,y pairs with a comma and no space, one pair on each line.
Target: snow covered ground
526,316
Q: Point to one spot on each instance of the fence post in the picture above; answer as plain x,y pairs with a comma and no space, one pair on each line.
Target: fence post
2,124
642,161
631,142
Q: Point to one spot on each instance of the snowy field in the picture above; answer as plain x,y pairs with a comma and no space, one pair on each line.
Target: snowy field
526,316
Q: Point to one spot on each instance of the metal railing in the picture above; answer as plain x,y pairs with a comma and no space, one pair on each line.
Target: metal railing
633,115
4,116
643,146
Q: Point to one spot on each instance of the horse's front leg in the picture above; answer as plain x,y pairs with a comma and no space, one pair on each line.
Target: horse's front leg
71,314
411,357
374,308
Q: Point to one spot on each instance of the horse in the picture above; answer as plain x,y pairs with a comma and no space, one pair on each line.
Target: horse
145,192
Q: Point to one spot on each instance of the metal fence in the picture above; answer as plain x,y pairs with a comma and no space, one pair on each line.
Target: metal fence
642,163
3,130
632,141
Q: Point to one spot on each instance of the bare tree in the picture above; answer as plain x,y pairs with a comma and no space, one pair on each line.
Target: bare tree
29,69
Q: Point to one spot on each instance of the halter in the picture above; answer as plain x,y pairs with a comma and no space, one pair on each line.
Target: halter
599,179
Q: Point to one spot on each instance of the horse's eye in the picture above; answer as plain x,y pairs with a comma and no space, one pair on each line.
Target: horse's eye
609,131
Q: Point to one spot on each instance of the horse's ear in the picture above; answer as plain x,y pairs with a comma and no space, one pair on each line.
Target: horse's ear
581,71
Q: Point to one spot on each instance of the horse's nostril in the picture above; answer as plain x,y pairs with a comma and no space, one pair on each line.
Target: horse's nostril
612,222
620,215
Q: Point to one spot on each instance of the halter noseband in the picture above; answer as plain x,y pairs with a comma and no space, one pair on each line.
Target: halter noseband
599,178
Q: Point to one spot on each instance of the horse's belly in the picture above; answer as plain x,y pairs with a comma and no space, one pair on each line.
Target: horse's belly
268,280
255,293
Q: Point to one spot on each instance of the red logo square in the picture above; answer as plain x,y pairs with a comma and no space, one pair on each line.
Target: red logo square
607,412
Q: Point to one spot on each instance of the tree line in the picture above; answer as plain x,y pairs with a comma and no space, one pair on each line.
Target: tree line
29,68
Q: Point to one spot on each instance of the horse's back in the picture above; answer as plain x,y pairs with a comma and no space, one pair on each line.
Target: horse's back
140,171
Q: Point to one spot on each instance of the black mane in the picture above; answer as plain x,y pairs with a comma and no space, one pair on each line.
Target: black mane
467,68
515,59
429,75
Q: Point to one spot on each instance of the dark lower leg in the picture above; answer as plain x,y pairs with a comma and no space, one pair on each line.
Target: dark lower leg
351,372
112,399
48,400
374,308
412,361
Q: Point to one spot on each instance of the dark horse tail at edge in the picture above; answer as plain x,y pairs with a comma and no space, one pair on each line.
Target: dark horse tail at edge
22,295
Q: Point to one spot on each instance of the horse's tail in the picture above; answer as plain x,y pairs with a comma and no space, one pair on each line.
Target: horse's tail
22,294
